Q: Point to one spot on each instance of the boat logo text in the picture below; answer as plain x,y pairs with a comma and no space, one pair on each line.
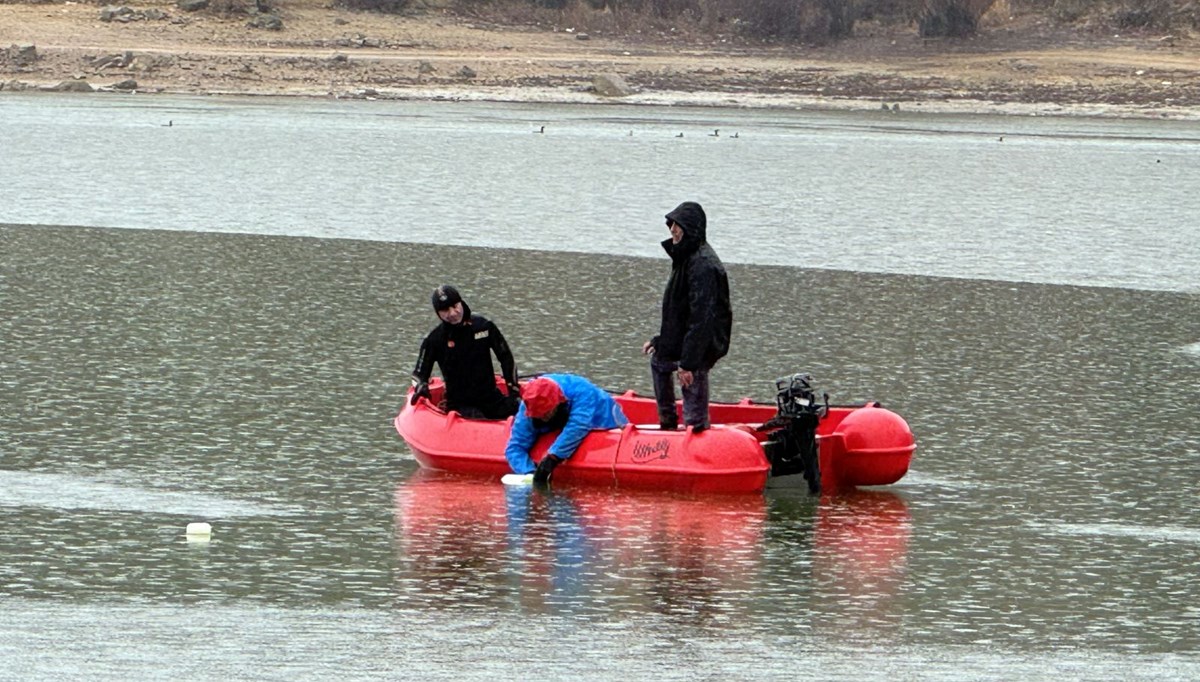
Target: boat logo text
649,452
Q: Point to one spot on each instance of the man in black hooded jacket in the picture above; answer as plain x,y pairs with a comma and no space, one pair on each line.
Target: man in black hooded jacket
697,320
462,346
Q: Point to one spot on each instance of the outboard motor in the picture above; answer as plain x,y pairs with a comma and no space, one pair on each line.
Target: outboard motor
792,445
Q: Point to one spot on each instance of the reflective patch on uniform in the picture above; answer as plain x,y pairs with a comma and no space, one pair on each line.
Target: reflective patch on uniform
481,335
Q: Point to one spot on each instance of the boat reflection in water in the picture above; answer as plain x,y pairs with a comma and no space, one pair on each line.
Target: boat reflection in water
860,552
471,542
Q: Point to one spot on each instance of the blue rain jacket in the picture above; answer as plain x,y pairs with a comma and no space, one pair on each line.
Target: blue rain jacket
591,408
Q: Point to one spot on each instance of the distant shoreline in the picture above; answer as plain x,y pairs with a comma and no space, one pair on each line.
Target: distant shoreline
714,100
326,52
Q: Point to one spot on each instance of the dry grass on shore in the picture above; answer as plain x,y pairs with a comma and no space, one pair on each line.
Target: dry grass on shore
1018,65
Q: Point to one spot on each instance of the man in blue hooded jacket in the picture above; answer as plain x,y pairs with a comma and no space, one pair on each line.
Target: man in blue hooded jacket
697,320
566,403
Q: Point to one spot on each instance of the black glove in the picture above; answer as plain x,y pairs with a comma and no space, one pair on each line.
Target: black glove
514,390
421,391
544,469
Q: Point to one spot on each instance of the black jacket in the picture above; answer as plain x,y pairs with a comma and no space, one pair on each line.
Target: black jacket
697,319
463,352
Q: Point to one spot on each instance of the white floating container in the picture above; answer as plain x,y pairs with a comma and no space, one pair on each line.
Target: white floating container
199,529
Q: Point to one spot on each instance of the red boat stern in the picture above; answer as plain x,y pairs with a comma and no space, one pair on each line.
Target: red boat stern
871,446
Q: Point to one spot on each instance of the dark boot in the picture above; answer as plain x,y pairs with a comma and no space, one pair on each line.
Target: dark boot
668,418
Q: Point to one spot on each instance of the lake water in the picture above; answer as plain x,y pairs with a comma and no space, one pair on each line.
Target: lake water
1092,202
215,321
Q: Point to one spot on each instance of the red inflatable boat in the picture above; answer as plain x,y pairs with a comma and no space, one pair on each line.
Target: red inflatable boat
796,441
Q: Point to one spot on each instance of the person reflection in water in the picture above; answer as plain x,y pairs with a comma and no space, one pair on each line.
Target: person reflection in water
547,540
565,403
462,346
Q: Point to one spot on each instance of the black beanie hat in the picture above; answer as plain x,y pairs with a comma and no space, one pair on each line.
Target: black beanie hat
445,297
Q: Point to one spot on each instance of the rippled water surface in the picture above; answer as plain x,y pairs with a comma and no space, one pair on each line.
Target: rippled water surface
1049,527
1089,202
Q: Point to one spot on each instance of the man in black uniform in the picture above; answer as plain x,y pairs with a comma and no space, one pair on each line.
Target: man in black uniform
462,346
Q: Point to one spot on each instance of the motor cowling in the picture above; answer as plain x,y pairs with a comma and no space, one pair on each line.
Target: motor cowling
791,447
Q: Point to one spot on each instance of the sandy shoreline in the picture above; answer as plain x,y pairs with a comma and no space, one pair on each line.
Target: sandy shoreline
333,53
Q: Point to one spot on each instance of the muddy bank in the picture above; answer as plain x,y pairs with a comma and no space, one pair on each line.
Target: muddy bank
319,51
